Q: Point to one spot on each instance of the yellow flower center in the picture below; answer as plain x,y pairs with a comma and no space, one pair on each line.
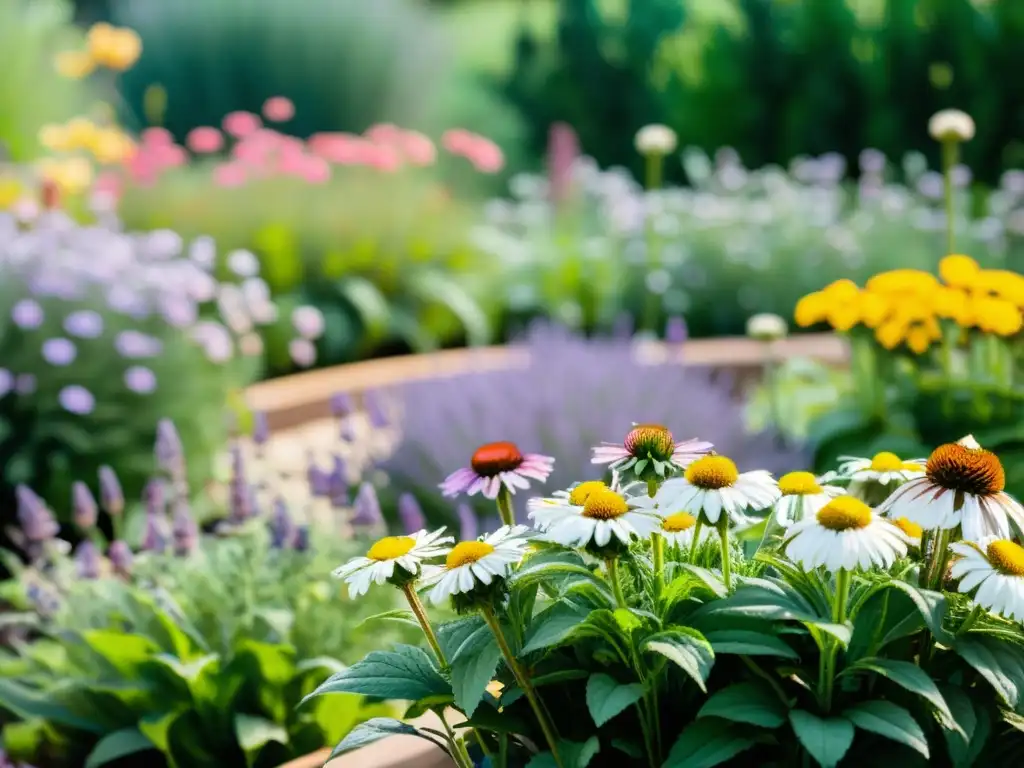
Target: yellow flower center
466,553
391,548
886,462
1006,557
712,472
579,495
913,530
679,522
604,504
844,513
961,468
799,484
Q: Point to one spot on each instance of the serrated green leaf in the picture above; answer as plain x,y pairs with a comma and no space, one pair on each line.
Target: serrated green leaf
687,648
826,740
116,745
552,626
375,729
400,616
708,742
574,754
473,655
748,643
404,673
888,720
746,703
606,697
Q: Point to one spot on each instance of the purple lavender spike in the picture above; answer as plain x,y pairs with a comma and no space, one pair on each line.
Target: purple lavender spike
375,410
367,512
111,495
170,455
301,541
469,526
260,428
43,598
37,522
155,539
121,557
319,481
282,527
184,529
155,498
411,514
83,506
623,328
675,330
347,430
87,560
338,483
341,404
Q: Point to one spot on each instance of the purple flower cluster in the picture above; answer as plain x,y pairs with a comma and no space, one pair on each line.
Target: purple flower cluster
571,394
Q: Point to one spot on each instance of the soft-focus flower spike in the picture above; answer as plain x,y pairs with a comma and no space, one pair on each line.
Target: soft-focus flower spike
121,558
301,541
366,510
83,506
410,513
845,534
281,525
260,428
472,563
469,526
389,554
338,483
341,404
497,465
88,560
36,521
170,454
184,529
111,495
376,410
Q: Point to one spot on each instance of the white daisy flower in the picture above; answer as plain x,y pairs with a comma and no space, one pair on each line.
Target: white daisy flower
711,485
803,495
470,563
995,567
405,552
884,468
962,486
593,513
845,534
678,530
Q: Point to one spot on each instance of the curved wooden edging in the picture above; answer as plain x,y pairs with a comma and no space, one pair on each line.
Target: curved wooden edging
293,400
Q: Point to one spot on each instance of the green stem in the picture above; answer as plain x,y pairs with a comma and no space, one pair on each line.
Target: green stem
613,576
658,554
842,596
656,720
524,682
972,617
696,539
949,158
827,668
723,535
421,616
508,515
643,715
938,559
459,754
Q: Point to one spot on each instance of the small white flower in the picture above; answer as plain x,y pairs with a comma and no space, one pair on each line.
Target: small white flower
470,563
592,513
656,139
845,534
803,495
406,552
678,530
766,326
962,486
884,468
995,567
711,485
951,125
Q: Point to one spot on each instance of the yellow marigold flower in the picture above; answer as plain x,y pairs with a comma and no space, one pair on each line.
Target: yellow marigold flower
110,146
951,304
811,309
113,47
1003,283
912,309
918,339
874,309
959,271
841,290
74,64
891,334
843,315
997,316
902,281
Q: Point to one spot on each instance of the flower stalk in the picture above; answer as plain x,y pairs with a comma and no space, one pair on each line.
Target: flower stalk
421,616
505,510
971,620
657,548
613,576
723,535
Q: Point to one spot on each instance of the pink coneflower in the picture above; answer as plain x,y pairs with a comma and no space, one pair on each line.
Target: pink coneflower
495,465
418,149
278,109
650,447
381,157
156,136
204,140
485,155
384,133
229,175
241,124
456,140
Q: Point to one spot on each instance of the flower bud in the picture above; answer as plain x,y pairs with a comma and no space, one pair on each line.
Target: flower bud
121,557
951,125
656,140
87,560
766,326
37,522
83,506
282,526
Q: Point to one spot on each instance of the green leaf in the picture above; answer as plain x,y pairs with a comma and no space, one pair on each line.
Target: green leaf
473,654
888,720
404,673
253,733
552,626
748,643
1001,664
708,742
965,744
825,740
375,729
836,423
116,745
401,616
435,287
28,704
746,703
911,677
369,304
931,605
687,648
606,697
574,754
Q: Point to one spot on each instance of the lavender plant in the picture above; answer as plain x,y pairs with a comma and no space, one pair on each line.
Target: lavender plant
105,333
565,394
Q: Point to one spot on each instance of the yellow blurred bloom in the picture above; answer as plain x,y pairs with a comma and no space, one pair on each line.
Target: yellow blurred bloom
841,290
811,309
116,48
902,281
72,175
891,333
1003,283
952,304
81,133
110,146
998,316
74,64
959,271
843,315
918,339
874,308
55,138
10,192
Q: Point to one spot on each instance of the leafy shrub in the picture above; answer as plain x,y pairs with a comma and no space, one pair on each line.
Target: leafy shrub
563,395
845,638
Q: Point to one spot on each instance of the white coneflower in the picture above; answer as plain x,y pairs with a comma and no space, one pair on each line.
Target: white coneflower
713,484
845,535
656,139
405,552
803,495
962,486
995,567
679,529
951,125
472,563
593,514
884,468
766,326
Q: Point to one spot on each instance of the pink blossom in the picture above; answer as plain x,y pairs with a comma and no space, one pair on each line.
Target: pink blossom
169,156
315,170
204,140
383,133
155,136
108,183
142,170
485,155
382,158
418,149
456,140
240,124
278,109
229,175
334,147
